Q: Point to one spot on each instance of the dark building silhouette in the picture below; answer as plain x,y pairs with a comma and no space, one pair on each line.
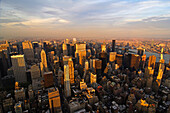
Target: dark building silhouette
113,45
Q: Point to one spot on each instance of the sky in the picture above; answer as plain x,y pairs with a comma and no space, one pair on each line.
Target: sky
85,18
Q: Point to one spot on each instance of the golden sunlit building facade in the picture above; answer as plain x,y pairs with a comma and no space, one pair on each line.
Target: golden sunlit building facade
67,90
44,60
71,70
93,78
152,60
54,100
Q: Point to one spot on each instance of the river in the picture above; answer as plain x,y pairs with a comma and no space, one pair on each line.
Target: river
166,57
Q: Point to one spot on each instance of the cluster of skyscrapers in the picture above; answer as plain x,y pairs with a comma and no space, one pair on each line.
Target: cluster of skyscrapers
75,76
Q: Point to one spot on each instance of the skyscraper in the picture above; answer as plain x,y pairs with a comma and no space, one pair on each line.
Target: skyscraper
80,47
112,56
35,71
3,63
35,76
28,50
98,67
54,100
86,68
135,60
103,57
119,59
71,70
44,60
149,76
113,45
82,57
67,90
19,69
152,60
65,52
160,71
48,79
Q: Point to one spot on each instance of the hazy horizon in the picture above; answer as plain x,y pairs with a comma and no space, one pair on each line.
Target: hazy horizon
93,19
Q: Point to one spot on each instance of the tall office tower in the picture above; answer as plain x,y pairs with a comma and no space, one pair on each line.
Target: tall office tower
93,78
119,59
35,71
160,71
37,51
98,67
103,57
3,63
44,60
152,60
48,79
56,65
103,47
19,69
54,100
68,50
71,70
74,40
148,72
51,57
28,50
67,90
72,50
65,52
113,45
134,62
60,77
35,76
140,51
86,68
149,76
80,47
82,57
112,56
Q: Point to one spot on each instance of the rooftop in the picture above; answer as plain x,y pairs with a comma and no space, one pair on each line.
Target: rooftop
17,56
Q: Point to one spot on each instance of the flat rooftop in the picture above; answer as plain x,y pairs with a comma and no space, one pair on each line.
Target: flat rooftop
17,56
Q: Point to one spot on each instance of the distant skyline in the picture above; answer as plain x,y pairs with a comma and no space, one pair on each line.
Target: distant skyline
85,18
